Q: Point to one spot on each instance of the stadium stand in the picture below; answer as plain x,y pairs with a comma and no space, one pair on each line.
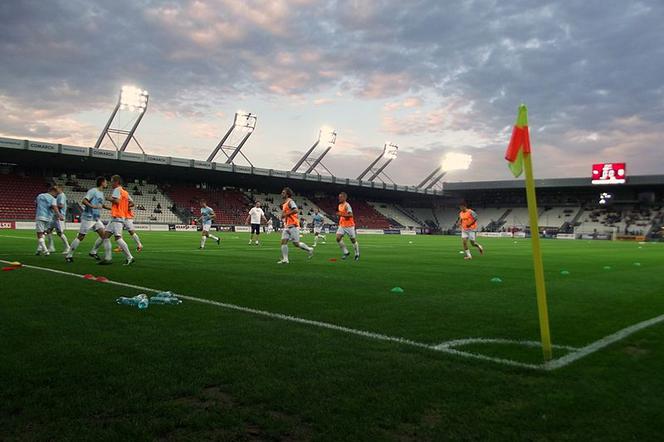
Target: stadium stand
366,216
272,206
17,198
395,214
230,205
151,206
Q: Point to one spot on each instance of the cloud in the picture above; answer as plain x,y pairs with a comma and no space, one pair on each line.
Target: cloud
429,75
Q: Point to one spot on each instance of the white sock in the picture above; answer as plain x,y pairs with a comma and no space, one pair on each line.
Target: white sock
95,247
42,244
214,237
65,242
136,239
125,248
468,253
356,246
315,240
203,239
343,247
108,249
303,246
50,242
284,252
74,244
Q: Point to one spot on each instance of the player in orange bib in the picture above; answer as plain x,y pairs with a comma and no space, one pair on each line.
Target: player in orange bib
346,227
468,224
291,230
119,213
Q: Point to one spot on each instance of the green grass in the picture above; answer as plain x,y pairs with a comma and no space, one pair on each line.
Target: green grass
76,366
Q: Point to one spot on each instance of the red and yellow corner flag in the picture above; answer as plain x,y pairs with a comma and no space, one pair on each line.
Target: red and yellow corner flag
519,143
519,156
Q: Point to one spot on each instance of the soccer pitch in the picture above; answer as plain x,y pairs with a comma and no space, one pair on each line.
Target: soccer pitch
322,349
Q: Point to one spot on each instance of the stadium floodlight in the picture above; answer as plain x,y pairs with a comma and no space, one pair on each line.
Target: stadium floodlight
134,100
244,123
327,138
376,169
451,161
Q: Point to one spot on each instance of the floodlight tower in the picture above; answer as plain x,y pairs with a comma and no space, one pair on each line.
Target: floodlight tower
377,171
451,161
134,100
244,124
327,137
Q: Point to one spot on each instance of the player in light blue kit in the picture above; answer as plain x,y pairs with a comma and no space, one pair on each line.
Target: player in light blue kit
46,207
59,225
318,221
92,204
206,218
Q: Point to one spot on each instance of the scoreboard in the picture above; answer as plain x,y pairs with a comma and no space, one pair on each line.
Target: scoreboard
609,173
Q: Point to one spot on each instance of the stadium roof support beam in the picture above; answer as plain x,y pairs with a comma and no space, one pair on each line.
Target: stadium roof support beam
433,178
377,166
243,122
134,100
326,137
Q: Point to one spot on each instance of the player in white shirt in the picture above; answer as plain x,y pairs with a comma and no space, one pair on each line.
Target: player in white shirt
206,218
46,208
92,203
256,216
58,225
269,228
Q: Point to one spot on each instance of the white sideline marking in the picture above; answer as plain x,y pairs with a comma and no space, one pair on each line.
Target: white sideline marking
445,347
601,343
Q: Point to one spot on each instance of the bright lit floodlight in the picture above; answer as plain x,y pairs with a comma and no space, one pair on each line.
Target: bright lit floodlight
133,99
456,161
245,121
376,169
390,151
327,136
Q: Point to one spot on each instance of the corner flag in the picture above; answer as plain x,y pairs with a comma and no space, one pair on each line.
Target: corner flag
518,155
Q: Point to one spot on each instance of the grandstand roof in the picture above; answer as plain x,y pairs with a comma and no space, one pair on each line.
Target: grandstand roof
52,157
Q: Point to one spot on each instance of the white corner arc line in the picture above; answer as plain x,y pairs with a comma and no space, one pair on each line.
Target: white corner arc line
469,341
445,347
601,343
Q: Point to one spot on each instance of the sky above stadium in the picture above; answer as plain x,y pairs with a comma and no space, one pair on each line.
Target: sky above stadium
430,76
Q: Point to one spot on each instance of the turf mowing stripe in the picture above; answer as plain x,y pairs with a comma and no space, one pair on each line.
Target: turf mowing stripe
601,343
445,347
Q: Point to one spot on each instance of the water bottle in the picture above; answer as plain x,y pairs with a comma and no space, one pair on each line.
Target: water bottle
157,299
123,300
142,301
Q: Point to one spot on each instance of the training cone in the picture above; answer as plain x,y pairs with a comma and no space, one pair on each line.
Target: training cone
564,272
9,269
637,264
88,276
333,260
102,279
396,290
15,264
607,267
496,280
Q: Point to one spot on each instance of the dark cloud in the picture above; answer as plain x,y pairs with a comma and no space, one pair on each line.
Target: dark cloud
582,67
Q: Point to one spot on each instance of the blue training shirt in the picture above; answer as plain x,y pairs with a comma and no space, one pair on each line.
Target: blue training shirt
96,198
43,204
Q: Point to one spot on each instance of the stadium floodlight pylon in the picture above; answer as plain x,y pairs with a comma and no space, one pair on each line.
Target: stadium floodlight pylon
377,167
327,138
135,101
244,124
451,161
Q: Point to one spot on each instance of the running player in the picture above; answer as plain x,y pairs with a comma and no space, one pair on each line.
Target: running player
468,223
346,227
317,220
92,204
269,228
119,210
58,225
291,230
46,208
256,216
206,218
